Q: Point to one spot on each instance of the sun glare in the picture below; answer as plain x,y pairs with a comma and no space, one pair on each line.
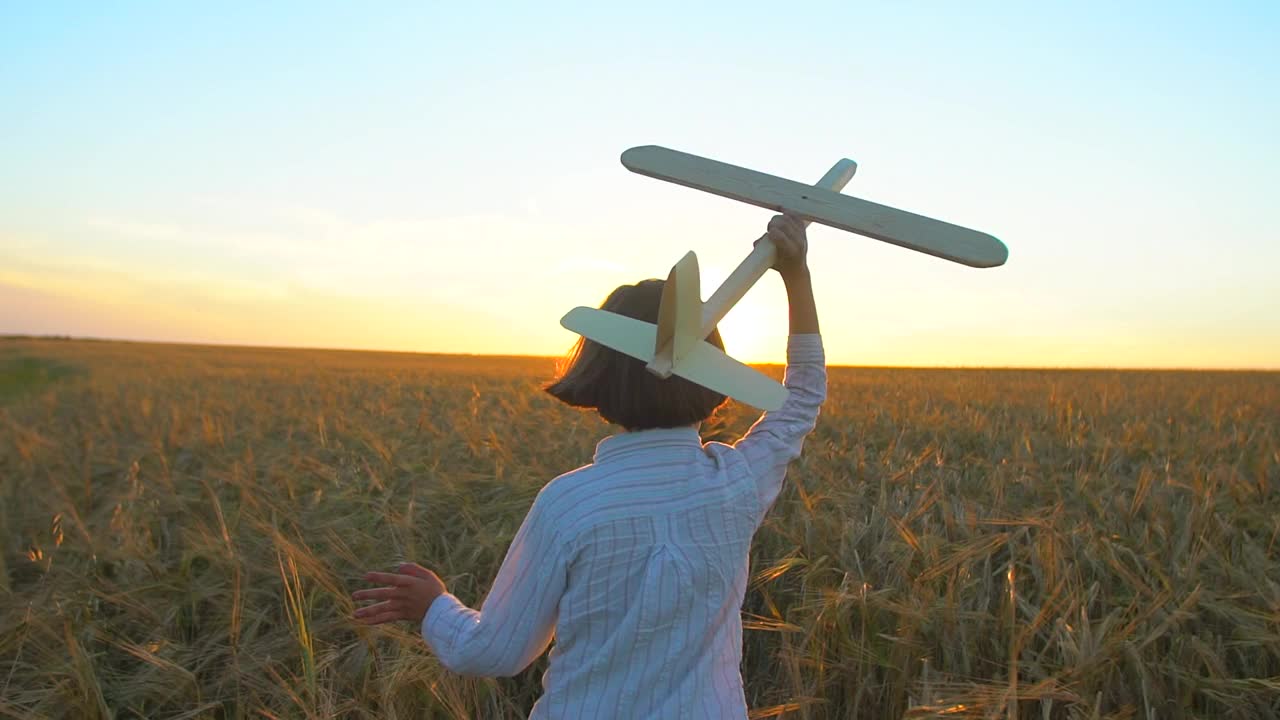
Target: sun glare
754,331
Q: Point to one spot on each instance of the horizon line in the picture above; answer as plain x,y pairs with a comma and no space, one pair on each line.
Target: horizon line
213,344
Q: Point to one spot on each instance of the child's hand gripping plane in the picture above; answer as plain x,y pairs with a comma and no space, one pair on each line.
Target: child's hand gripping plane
675,345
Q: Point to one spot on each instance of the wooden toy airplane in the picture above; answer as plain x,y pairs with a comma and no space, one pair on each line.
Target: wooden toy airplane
675,345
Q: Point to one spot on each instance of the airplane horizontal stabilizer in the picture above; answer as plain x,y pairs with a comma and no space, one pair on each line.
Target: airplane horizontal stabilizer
705,364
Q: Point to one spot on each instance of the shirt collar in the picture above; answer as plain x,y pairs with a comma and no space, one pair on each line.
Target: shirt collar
656,438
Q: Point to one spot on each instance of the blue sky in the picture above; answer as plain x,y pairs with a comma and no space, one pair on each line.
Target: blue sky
445,177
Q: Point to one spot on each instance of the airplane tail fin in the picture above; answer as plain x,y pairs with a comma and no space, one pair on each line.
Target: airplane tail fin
679,316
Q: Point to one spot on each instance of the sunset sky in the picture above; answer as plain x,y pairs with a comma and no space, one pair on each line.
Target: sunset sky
444,176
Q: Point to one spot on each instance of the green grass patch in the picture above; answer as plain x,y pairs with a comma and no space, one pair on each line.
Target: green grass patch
23,374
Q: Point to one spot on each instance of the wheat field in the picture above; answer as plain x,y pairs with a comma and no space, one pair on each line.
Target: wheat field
182,527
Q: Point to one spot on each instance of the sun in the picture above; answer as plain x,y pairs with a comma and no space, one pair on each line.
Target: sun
755,330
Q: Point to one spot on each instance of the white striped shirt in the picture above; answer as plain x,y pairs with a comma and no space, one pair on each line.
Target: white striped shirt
637,565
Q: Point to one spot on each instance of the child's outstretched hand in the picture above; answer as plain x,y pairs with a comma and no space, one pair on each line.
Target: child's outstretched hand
792,243
408,593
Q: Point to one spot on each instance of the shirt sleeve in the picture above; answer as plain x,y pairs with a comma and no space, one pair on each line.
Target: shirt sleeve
517,619
777,437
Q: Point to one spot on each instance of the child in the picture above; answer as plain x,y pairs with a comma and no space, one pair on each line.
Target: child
636,563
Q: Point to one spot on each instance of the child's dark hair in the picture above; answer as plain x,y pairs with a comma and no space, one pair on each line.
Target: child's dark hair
619,387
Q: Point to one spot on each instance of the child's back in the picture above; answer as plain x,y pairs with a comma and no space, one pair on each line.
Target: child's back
642,570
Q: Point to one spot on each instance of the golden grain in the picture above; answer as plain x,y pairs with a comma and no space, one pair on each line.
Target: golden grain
182,527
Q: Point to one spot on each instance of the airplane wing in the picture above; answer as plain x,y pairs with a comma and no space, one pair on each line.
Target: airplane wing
899,227
704,364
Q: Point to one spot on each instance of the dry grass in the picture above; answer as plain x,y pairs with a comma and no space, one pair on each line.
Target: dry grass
181,528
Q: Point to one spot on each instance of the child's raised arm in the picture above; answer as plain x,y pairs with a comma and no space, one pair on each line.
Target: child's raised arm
792,263
777,437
